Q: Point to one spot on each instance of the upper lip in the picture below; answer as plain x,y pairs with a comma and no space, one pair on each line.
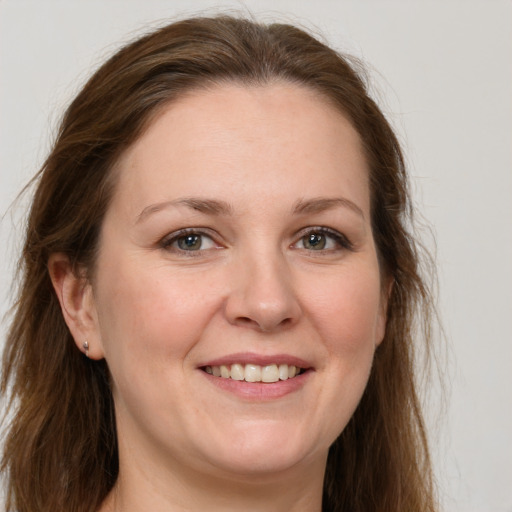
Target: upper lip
259,359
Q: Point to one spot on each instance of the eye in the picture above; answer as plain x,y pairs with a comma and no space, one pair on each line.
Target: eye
315,241
322,239
188,241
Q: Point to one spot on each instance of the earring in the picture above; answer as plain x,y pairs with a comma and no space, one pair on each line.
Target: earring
85,345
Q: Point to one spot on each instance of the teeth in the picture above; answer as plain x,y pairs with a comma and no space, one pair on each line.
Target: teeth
270,373
237,372
254,372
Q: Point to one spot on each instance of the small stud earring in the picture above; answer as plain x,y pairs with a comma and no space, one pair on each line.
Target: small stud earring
85,345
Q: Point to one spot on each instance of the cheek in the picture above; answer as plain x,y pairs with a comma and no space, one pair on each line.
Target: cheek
347,311
152,314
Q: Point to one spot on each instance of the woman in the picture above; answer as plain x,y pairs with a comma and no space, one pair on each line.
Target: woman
219,289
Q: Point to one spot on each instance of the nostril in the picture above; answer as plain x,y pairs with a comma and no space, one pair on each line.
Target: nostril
246,321
262,325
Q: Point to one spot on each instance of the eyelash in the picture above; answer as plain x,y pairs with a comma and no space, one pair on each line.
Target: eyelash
174,237
340,240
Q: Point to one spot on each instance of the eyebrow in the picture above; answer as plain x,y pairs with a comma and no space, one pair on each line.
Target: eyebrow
208,206
216,207
321,204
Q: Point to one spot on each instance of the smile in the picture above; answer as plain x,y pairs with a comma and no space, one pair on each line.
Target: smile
254,372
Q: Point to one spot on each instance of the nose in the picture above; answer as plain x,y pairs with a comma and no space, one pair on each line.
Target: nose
262,295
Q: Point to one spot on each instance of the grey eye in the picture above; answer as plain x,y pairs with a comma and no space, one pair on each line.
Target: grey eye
190,242
184,241
314,241
322,239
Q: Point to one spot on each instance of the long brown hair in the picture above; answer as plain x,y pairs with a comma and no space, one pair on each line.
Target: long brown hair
61,451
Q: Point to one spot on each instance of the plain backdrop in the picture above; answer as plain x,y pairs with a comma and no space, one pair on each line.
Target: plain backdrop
442,72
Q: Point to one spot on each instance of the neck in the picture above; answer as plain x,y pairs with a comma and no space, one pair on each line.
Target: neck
139,489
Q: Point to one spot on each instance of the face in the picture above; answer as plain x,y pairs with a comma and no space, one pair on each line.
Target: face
237,295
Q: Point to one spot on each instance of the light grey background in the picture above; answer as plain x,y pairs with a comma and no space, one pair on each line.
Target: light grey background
443,74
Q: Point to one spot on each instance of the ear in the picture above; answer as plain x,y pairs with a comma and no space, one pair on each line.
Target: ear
77,303
387,288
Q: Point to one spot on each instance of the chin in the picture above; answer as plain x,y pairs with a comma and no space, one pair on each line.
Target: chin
266,451
260,465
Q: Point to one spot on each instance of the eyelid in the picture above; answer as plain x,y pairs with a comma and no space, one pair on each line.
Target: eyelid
341,239
167,241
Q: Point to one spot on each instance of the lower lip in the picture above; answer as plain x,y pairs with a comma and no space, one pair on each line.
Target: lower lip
260,391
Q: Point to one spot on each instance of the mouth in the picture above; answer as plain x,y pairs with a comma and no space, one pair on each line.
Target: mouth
269,373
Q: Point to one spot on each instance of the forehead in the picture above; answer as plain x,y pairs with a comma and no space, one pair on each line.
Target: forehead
237,140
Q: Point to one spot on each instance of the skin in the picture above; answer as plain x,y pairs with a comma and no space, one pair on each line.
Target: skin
282,163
